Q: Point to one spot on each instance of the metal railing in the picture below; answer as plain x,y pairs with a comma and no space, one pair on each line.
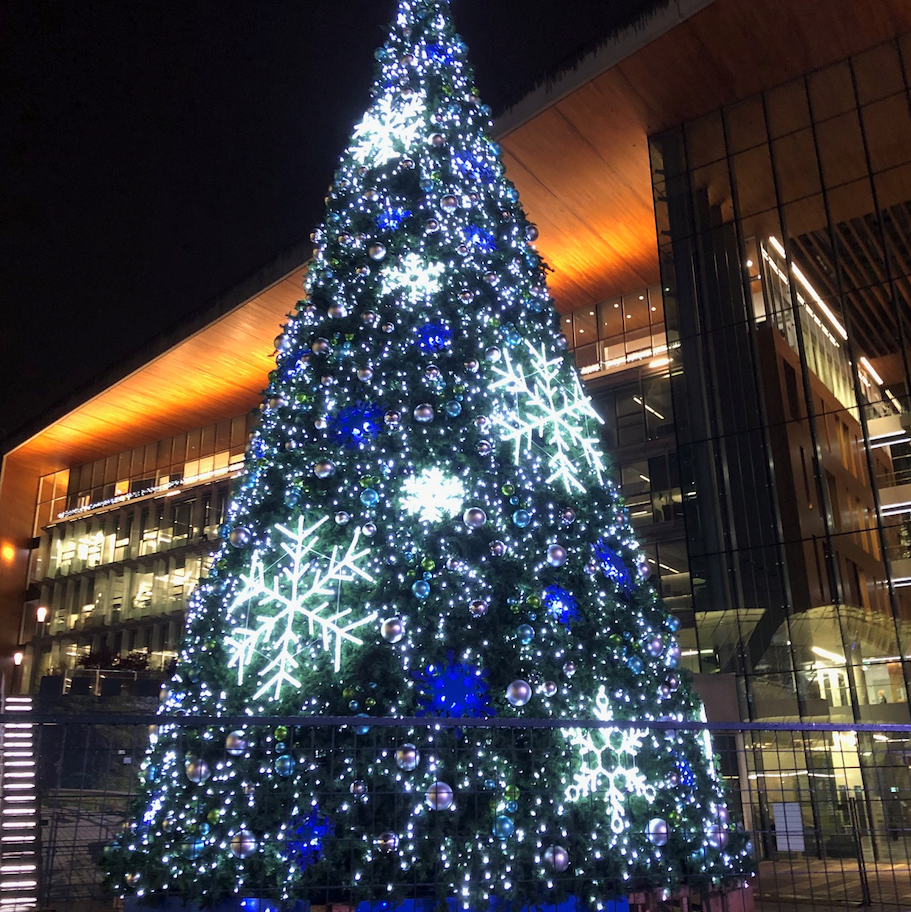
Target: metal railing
827,806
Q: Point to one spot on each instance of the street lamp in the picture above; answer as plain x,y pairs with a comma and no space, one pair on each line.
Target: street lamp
41,614
18,656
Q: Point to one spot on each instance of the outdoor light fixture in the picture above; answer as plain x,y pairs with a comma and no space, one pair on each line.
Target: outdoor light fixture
18,657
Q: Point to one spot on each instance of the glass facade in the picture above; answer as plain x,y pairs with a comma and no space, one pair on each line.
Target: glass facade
122,542
784,227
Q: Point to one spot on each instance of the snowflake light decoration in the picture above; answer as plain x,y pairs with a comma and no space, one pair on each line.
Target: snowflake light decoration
552,412
388,129
613,566
305,839
561,605
433,495
392,218
416,277
357,424
456,690
608,765
294,598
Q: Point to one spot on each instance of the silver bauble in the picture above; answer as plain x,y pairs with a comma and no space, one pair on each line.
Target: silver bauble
556,555
392,419
235,743
243,845
423,413
531,232
657,831
493,354
197,771
358,788
518,693
321,422
449,203
716,836
655,646
240,537
392,630
370,318
432,226
482,423
276,402
365,374
478,608
569,669
328,380
439,796
550,688
283,342
497,548
134,880
407,757
474,517
472,366
320,347
562,341
377,251
437,140
369,529
386,842
342,518
568,516
324,469
338,311
643,569
556,858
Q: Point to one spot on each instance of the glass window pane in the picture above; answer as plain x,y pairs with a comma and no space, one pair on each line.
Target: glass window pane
753,176
745,125
796,165
841,149
705,140
610,319
831,91
585,326
878,73
788,109
887,129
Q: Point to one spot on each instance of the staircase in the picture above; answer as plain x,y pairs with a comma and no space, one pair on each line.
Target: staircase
18,810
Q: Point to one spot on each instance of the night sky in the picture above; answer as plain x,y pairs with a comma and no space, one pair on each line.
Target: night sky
154,153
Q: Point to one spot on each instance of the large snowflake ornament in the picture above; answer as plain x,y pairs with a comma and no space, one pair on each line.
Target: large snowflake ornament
414,276
294,605
551,414
388,129
433,495
608,765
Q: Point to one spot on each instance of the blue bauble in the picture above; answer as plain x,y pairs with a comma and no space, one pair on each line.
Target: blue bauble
284,765
503,827
453,408
521,518
636,665
421,589
672,623
490,784
362,729
512,806
513,338
369,497
526,633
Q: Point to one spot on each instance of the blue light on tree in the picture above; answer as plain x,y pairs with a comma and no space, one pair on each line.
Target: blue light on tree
456,690
392,218
469,165
613,566
440,53
305,839
434,337
561,605
357,424
482,240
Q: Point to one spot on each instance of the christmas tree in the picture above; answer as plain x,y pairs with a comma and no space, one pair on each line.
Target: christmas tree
426,529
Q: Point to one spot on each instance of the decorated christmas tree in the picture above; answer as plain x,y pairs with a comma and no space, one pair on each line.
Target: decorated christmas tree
427,529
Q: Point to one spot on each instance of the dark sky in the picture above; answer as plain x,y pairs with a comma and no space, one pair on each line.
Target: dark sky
155,152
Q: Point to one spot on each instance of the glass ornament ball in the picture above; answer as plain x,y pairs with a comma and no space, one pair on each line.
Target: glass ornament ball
321,423
240,537
192,848
568,516
365,374
484,448
281,733
518,693
472,366
197,771
328,380
716,836
377,251
550,688
672,779
478,608
636,665
392,419
449,203
664,691
643,570
437,140
369,529
466,297
283,342
657,831
363,270
591,568
342,518
531,232
556,555
493,354
386,843
338,311
358,788
134,879
321,347
388,328
243,845
569,669
370,318
370,497
503,827
235,743
474,517
556,858
482,423
392,630
407,757
453,408
497,548
721,814
672,623
284,765
562,341
439,796
492,279
512,807
672,656
421,589
362,729
655,647
432,226
325,468
526,633
521,518
423,413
